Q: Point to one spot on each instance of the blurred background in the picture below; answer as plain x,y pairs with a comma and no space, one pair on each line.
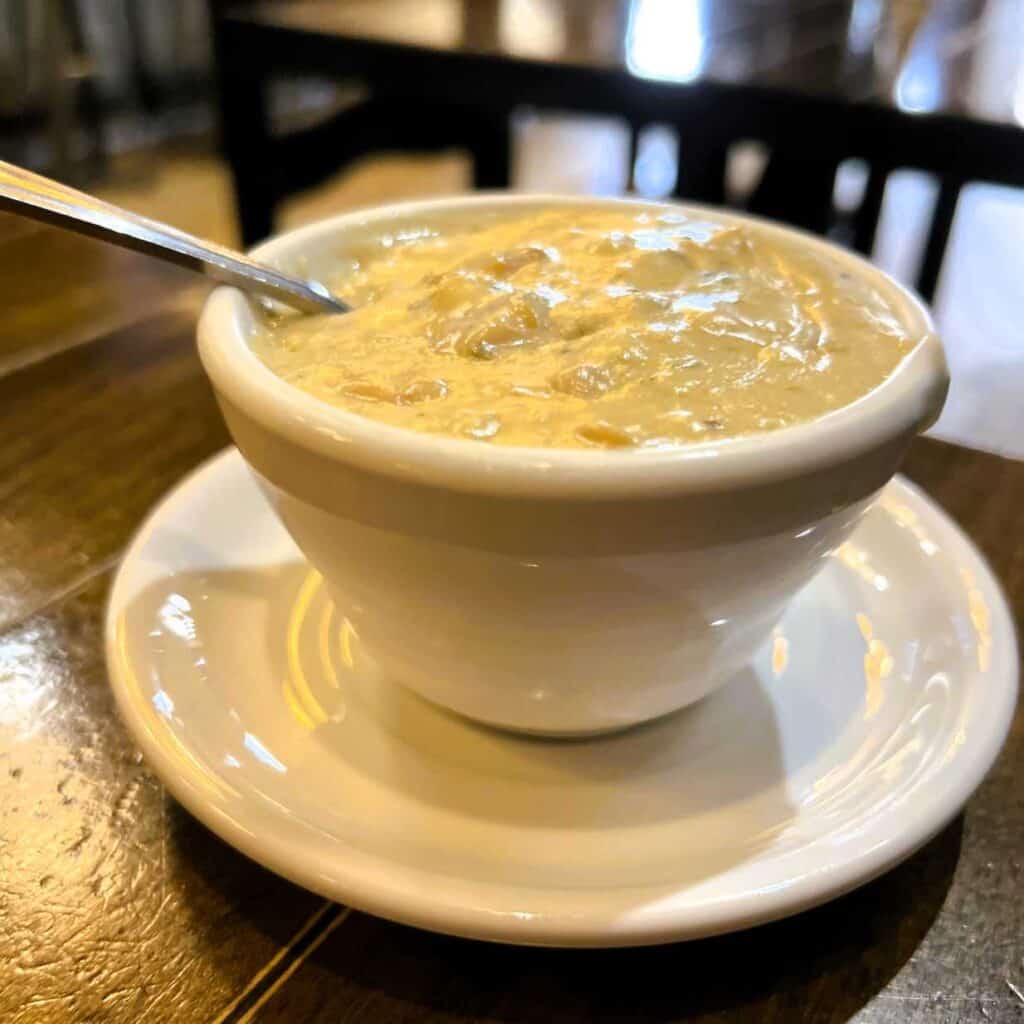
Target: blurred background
894,126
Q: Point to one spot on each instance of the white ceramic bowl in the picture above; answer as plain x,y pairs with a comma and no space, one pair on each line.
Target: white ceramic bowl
553,590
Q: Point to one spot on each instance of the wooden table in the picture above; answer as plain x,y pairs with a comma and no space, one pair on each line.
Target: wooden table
115,905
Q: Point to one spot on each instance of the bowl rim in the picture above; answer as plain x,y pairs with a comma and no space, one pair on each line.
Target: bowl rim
906,401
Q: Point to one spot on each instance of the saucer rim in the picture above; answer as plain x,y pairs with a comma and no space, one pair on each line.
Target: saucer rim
379,886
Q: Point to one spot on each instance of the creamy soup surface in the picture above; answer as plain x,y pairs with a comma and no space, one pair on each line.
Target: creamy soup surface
591,327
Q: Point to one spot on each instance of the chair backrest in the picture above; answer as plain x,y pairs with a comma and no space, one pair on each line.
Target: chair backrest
809,137
956,150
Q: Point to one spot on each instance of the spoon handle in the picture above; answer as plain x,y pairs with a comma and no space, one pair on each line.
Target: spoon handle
33,195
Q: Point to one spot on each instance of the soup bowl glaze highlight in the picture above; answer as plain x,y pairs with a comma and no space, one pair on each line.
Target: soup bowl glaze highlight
557,591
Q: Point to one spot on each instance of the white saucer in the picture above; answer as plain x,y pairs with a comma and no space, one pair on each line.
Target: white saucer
854,737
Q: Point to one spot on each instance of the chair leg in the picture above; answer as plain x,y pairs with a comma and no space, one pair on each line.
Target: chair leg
797,189
488,138
245,136
634,151
938,236
865,221
701,172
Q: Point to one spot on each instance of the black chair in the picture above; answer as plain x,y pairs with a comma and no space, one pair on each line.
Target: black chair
425,99
268,166
807,148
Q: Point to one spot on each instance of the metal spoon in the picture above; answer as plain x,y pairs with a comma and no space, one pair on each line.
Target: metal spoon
41,198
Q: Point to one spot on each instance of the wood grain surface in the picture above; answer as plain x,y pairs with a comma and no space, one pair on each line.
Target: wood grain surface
116,906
